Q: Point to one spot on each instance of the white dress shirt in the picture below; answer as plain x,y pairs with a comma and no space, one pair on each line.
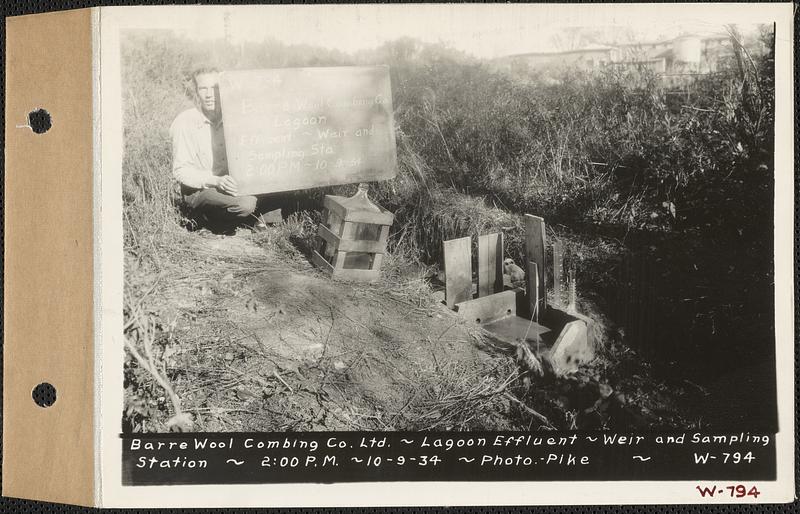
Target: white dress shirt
198,149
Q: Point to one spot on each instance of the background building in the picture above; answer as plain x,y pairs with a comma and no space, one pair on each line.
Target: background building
688,54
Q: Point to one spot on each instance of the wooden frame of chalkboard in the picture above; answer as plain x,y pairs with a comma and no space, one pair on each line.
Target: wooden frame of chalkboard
298,128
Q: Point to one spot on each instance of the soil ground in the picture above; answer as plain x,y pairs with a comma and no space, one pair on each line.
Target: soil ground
259,342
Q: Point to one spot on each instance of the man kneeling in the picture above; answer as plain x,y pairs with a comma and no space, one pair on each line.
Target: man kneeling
200,164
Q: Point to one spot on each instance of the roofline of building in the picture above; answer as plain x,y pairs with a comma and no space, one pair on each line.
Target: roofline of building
563,52
643,61
622,45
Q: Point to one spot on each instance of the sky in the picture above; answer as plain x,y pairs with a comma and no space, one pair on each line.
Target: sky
483,30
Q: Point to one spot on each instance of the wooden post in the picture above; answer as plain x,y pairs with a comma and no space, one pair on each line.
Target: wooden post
558,272
457,271
534,250
572,300
532,276
490,264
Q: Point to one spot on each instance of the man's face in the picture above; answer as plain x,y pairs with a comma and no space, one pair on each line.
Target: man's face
207,91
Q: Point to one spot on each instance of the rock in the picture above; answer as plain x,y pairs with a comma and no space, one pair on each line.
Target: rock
244,394
605,390
182,422
314,351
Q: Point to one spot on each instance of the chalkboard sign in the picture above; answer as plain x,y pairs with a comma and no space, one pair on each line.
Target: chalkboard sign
298,128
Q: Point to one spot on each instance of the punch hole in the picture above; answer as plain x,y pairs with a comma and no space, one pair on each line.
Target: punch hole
44,395
39,121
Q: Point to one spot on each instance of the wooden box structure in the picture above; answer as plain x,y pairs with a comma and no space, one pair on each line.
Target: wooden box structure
351,240
563,337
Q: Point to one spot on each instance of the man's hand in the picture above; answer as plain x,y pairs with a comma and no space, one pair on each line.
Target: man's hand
227,184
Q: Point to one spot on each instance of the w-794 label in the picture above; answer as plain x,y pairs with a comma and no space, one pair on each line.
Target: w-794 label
728,491
724,457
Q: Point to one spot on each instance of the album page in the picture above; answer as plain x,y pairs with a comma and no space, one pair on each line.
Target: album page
479,254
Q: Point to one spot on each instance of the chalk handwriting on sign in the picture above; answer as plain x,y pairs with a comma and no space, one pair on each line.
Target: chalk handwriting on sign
298,128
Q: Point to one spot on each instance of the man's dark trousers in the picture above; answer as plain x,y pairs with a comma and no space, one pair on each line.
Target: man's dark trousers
218,207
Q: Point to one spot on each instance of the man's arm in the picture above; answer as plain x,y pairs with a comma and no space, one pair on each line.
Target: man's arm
184,168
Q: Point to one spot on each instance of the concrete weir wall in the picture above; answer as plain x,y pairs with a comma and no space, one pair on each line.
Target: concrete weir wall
574,345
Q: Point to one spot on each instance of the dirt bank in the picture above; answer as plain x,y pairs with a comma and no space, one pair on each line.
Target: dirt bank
258,340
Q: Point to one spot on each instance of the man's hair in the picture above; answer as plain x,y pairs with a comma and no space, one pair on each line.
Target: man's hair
202,70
